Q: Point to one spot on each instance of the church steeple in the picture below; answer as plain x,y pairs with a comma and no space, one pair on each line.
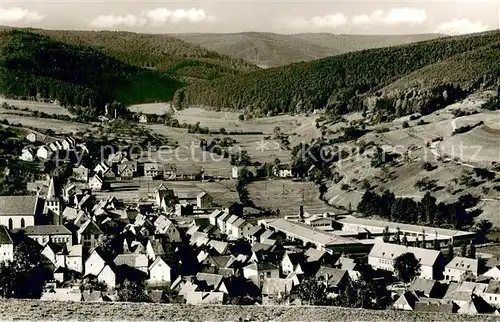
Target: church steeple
53,204
51,193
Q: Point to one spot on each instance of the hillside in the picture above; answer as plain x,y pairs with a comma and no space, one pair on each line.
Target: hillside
273,50
157,52
40,310
34,66
338,82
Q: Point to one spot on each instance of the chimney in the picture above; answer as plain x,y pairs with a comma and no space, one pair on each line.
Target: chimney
301,212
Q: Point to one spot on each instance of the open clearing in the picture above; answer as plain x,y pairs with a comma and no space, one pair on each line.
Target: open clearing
229,121
48,108
152,108
44,310
287,196
57,126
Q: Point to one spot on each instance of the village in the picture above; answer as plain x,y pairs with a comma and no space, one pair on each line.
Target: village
126,223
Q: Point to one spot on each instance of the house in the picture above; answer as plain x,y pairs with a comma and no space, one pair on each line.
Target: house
222,265
492,293
101,168
254,233
96,182
283,171
430,305
6,245
89,234
214,215
334,279
21,211
74,258
406,301
204,200
493,272
382,257
235,173
205,298
258,272
167,228
81,173
229,224
211,282
160,272
143,119
461,292
154,248
320,221
44,153
44,234
460,268
95,263
136,261
32,137
169,172
476,305
28,154
221,221
293,263
425,287
241,228
107,276
153,170
125,172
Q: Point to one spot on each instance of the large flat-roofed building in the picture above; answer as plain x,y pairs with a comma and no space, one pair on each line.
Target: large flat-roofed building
20,211
319,238
376,228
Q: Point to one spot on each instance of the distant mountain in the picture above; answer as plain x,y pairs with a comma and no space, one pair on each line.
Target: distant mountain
341,83
272,50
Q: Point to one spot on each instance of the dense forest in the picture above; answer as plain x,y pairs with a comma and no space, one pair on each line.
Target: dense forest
35,67
338,82
156,52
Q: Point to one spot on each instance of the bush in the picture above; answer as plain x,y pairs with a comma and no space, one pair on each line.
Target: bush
405,125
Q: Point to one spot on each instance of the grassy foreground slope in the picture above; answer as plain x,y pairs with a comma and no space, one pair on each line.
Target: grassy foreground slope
334,82
273,50
40,310
35,66
158,52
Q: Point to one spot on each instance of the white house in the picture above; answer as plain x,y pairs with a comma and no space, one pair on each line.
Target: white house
96,183
166,227
258,272
235,173
292,263
44,152
229,224
492,293
143,119
6,245
107,276
160,273
94,264
81,173
460,268
382,256
28,154
494,273
241,228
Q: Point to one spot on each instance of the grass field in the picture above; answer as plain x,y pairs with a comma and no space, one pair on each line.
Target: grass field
152,108
37,106
38,310
57,126
287,196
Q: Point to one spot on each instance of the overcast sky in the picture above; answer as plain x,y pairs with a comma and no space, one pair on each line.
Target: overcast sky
353,17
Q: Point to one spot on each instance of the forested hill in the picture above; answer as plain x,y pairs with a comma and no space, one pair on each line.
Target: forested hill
158,52
336,82
35,66
273,50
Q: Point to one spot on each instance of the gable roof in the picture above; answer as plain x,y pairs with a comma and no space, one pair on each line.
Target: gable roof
19,205
346,263
423,285
90,227
220,246
465,264
196,298
407,298
335,275
213,280
47,230
132,260
493,287
475,305
5,238
426,257
314,255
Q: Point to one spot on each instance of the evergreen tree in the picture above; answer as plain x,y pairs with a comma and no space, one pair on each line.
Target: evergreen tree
471,253
404,241
436,244
451,251
417,243
463,250
386,235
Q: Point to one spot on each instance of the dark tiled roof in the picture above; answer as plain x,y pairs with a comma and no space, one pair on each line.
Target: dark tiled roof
47,230
4,236
18,205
